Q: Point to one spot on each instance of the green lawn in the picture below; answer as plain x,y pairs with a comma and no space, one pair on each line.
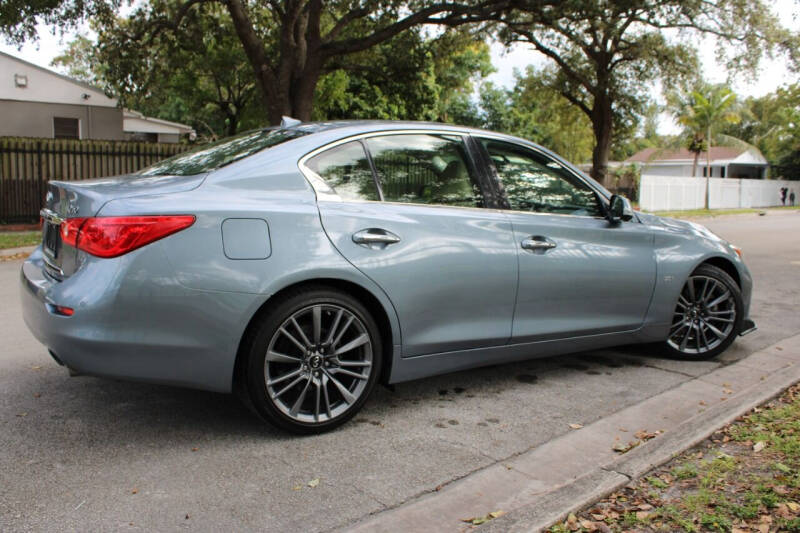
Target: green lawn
13,239
717,212
745,478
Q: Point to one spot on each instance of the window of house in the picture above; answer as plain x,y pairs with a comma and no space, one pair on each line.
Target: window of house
424,169
535,182
345,168
66,128
143,136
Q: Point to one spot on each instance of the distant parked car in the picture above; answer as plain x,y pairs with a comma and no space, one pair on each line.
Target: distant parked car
301,265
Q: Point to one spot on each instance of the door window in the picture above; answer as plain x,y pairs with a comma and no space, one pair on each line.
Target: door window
535,182
424,169
345,168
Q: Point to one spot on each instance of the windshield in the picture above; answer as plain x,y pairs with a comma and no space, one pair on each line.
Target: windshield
212,156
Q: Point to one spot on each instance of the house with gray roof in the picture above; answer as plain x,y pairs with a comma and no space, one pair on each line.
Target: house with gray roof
726,162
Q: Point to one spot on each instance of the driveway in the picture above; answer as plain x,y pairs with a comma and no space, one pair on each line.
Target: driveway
89,454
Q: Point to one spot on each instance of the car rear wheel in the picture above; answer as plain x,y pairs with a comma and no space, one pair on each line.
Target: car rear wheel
313,360
707,316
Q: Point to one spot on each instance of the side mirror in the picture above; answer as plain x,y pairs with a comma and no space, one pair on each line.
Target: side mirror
619,209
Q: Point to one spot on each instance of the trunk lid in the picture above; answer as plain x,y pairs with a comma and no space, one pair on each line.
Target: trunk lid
78,199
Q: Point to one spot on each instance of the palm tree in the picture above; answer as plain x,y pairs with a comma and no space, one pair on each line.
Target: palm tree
702,112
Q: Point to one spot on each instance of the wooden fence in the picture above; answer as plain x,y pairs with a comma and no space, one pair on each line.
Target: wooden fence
26,165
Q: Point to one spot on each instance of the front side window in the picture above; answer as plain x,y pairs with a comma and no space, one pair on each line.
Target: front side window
424,169
345,168
534,182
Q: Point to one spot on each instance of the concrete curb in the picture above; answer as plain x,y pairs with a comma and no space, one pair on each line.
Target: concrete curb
543,485
7,252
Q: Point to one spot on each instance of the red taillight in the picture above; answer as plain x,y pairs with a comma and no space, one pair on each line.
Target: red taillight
69,230
115,236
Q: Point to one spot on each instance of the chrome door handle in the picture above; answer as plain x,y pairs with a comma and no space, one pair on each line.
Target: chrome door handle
375,236
538,243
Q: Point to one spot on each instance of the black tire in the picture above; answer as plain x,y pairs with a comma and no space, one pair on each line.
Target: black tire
671,347
267,329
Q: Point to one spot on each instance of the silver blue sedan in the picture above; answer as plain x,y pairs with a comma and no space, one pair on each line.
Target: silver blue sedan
300,265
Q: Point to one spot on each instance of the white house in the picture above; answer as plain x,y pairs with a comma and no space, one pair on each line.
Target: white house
37,102
726,162
138,127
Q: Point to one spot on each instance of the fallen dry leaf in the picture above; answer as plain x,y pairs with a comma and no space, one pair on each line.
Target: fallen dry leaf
576,426
134,491
793,506
642,515
758,446
478,520
314,482
624,448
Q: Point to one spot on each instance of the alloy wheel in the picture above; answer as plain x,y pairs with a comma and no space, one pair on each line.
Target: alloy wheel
704,317
318,363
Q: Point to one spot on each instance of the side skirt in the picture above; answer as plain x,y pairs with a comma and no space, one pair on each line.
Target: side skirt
409,368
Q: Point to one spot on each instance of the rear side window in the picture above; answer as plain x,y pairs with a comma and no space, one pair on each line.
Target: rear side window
345,168
424,169
535,182
213,156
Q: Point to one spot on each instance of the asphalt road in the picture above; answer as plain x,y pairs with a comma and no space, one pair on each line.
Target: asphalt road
92,454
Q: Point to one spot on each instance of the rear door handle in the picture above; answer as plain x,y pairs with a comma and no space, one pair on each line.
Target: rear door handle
538,243
375,237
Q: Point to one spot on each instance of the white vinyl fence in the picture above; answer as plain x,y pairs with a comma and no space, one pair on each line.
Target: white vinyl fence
669,193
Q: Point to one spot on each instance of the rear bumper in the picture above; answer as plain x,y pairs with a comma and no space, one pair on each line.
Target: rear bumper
135,324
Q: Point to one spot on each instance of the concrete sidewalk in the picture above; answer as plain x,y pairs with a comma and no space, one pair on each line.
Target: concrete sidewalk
541,486
8,252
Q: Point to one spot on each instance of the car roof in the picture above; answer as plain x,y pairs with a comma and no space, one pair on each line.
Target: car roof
345,128
375,125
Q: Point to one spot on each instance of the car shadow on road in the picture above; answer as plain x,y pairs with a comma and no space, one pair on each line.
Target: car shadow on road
61,409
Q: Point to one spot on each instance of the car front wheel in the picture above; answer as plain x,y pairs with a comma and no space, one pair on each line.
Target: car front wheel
313,360
707,316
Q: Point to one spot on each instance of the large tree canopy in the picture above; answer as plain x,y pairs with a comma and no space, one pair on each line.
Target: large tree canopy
291,44
609,53
18,18
203,78
772,123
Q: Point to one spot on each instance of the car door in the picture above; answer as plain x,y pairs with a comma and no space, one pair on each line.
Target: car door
406,210
579,274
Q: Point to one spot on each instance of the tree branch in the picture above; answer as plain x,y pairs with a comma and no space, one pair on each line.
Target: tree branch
457,14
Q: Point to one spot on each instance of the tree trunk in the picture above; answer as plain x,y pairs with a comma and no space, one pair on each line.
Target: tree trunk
602,124
303,88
